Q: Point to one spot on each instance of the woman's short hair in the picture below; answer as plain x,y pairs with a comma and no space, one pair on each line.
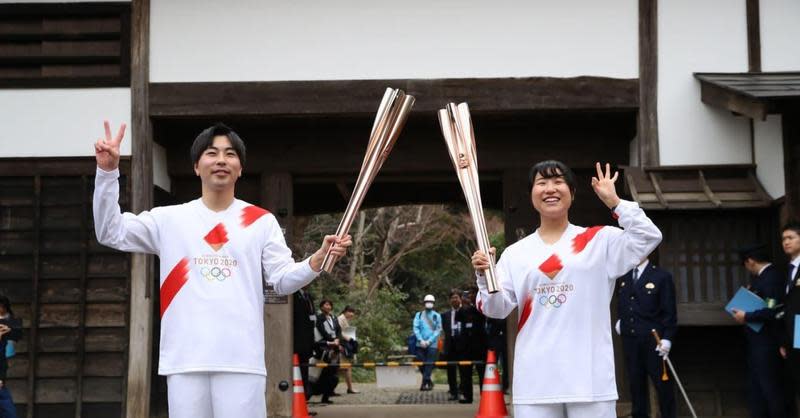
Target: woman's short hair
551,169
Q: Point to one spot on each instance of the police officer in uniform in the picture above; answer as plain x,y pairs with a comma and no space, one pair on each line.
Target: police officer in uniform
646,301
790,241
764,389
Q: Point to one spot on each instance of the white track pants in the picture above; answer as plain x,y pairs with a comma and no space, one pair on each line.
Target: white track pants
216,395
604,409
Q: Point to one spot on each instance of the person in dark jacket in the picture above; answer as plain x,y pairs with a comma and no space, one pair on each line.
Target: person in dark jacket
304,316
10,330
451,330
764,389
327,349
790,241
496,333
646,302
472,343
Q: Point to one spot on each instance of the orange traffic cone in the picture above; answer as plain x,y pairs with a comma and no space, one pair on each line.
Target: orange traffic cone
493,405
299,407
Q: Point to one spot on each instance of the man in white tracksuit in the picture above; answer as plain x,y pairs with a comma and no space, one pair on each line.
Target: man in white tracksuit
562,279
213,252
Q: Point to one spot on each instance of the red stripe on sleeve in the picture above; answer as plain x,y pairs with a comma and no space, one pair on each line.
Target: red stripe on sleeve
527,308
582,240
251,214
173,283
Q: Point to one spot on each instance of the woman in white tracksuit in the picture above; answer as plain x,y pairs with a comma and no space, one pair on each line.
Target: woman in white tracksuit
562,279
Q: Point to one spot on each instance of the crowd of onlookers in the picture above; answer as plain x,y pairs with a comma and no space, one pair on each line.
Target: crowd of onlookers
461,333
323,337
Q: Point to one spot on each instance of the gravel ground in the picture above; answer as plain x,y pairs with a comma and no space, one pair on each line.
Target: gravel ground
372,395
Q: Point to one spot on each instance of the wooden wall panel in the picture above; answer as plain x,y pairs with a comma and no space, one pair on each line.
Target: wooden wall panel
700,250
65,45
70,292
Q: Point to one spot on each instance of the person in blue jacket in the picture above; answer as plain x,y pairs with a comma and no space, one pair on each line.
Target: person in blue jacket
10,330
646,302
427,328
764,387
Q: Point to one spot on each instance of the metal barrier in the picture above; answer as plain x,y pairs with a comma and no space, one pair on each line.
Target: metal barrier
369,364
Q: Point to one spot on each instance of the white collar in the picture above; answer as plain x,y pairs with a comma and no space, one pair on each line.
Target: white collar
796,261
642,266
763,268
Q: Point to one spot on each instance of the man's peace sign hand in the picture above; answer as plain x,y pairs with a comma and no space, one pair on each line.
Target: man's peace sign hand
106,150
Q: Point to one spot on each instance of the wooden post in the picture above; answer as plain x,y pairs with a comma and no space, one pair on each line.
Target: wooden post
519,219
753,36
648,84
277,197
140,344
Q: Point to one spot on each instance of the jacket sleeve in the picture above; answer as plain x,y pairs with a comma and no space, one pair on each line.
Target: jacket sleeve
627,248
280,269
500,304
121,231
418,327
773,289
669,310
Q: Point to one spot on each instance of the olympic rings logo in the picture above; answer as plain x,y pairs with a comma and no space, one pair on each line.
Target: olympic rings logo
215,273
553,300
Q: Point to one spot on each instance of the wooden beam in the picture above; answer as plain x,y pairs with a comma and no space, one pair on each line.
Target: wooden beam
791,166
648,84
707,190
717,96
753,36
277,197
137,399
657,188
354,97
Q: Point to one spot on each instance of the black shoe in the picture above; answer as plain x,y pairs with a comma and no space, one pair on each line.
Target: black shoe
423,386
327,401
335,394
465,401
452,397
353,391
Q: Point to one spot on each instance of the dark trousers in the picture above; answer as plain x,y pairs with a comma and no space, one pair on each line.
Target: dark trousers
465,375
7,408
765,396
792,380
304,357
327,382
641,361
452,373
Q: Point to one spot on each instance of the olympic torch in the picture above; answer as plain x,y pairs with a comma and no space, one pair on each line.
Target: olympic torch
392,114
456,125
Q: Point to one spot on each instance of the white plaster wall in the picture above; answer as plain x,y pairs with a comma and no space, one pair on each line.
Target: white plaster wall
60,122
780,35
212,40
699,36
769,155
160,172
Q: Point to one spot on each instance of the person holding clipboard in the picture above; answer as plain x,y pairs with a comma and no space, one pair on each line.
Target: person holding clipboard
762,332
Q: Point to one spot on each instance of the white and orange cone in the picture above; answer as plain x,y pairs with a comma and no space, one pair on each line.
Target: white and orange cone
493,404
299,407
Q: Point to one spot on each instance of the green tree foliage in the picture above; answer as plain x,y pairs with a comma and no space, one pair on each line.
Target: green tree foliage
399,255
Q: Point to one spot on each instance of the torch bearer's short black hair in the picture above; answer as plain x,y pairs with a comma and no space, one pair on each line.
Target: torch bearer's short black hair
206,139
551,169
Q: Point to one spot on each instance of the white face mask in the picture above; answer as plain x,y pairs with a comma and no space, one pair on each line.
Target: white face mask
428,305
